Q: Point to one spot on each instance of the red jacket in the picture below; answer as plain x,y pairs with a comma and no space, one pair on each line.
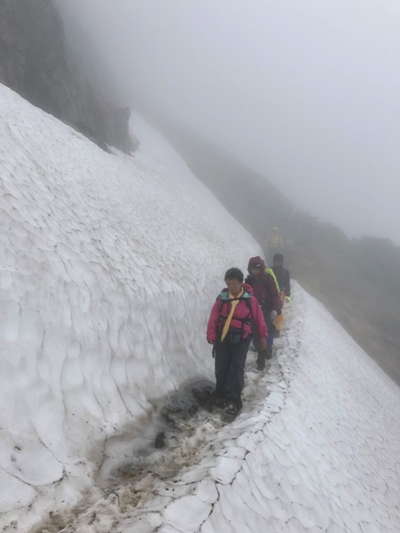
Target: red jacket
248,315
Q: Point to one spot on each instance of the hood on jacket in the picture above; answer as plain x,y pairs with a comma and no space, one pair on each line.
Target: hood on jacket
256,262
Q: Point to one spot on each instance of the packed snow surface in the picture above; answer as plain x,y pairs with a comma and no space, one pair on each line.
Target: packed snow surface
109,267
316,449
109,264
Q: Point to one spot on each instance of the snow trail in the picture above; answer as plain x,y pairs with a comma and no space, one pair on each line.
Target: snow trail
329,461
315,449
203,454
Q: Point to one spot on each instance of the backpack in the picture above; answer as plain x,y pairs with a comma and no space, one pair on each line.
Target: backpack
236,337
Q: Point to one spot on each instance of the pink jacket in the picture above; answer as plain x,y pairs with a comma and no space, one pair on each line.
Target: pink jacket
248,315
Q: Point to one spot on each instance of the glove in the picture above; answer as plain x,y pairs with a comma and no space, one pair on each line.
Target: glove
273,315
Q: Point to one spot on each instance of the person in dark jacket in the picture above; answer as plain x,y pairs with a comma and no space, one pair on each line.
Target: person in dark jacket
234,317
266,292
282,275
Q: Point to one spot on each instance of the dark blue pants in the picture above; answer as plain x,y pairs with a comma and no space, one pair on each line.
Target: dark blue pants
271,329
230,360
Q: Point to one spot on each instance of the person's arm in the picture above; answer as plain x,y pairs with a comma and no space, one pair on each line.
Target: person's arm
212,325
258,319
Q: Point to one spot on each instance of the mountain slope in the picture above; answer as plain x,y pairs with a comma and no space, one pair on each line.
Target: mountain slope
35,61
109,265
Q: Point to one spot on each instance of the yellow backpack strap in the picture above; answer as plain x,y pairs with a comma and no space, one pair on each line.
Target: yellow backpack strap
272,273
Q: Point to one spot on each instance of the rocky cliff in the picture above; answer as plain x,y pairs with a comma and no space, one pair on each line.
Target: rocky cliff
34,62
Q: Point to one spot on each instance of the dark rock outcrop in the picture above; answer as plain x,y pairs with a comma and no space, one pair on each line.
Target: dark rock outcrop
34,62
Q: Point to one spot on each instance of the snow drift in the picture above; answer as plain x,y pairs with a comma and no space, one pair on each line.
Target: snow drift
109,264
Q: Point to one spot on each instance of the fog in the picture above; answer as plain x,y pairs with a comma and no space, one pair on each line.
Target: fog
305,92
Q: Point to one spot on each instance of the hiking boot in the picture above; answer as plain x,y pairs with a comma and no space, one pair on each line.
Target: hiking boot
260,363
220,401
269,353
232,409
261,360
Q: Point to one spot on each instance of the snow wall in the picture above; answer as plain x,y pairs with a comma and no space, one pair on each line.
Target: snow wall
109,265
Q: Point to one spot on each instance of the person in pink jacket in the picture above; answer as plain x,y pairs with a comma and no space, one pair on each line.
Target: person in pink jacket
235,317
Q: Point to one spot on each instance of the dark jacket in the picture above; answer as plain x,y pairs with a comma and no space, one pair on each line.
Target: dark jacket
264,287
283,277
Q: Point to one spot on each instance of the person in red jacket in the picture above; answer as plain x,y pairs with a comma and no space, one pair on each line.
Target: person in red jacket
266,292
234,317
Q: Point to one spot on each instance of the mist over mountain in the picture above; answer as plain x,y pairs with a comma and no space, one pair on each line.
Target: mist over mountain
306,94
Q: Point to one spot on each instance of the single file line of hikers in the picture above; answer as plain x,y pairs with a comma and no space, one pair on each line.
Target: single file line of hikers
245,310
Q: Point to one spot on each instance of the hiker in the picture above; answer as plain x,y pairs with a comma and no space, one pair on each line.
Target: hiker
265,290
277,319
282,275
235,316
275,243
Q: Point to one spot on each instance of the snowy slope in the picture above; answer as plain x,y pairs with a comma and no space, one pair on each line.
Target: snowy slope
316,449
108,267
323,450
